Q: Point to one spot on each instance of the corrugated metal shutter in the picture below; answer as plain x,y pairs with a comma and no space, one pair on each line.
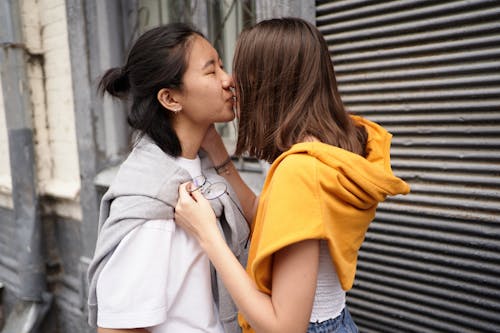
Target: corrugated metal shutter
429,71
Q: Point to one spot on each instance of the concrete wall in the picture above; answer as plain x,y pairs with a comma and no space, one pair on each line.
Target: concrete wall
45,42
5,181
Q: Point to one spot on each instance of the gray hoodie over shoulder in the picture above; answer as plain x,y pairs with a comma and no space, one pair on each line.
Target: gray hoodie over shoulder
146,188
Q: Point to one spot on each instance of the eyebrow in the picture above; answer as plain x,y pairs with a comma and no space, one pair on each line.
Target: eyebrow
208,63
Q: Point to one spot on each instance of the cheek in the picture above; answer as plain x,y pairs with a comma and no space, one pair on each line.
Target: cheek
208,91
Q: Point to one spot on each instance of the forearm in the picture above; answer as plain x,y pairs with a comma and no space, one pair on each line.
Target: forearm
256,306
246,196
289,308
218,154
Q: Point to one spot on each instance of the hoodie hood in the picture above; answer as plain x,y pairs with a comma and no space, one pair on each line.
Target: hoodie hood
362,181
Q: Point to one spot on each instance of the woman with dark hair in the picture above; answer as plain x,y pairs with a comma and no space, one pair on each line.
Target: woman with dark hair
146,274
329,172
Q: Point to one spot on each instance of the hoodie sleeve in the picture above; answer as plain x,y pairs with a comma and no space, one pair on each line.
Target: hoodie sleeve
289,212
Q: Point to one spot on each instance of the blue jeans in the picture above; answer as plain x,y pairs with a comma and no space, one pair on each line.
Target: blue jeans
343,323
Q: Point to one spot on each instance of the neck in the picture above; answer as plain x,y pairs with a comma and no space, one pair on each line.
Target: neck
190,136
310,138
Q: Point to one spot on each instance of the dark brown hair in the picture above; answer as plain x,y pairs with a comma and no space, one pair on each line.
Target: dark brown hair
286,88
158,59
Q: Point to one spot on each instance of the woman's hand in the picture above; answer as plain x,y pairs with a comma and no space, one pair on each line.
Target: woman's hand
212,143
195,215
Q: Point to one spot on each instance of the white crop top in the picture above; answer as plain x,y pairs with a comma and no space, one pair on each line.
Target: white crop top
329,300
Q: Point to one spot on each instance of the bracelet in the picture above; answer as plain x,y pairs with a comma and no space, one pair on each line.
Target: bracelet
224,167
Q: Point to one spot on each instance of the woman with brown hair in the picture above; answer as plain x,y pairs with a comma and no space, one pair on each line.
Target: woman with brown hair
329,172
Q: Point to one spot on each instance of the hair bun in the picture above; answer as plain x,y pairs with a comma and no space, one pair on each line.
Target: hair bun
115,81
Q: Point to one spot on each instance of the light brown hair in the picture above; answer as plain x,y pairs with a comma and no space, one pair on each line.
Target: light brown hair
287,90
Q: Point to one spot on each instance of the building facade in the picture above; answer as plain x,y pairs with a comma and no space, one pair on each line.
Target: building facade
428,71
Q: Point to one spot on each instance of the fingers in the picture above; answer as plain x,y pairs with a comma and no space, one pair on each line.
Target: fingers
193,211
185,195
184,204
197,196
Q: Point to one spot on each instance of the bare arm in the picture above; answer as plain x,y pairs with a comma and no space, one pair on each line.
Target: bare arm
217,152
295,268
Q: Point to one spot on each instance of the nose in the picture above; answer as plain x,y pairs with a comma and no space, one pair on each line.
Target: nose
227,81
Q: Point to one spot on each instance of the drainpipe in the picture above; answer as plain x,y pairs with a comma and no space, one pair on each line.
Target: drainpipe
34,300
1,304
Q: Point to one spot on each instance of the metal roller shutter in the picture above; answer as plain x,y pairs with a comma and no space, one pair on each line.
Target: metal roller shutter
429,71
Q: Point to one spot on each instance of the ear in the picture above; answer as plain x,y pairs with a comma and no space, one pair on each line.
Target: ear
168,98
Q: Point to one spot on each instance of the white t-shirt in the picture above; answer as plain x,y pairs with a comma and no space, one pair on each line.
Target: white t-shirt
158,278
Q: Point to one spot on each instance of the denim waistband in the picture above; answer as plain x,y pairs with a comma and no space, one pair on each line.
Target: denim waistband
342,323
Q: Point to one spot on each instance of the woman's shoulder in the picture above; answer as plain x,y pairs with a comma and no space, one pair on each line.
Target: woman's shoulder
293,166
293,163
295,171
148,171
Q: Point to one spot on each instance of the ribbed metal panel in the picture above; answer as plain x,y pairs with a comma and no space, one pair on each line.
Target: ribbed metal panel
428,71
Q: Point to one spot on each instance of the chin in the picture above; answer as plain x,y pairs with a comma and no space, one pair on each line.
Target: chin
227,119
229,115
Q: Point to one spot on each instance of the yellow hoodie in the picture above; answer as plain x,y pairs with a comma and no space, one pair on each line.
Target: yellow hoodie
318,191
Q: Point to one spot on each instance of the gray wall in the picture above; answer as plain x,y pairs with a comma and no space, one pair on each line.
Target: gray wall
428,72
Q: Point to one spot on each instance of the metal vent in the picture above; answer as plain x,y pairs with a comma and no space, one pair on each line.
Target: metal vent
429,72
